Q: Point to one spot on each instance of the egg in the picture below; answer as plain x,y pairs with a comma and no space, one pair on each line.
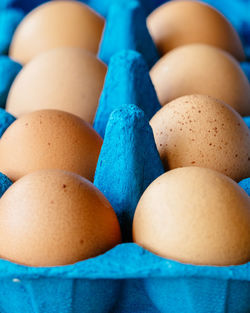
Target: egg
194,215
202,69
56,24
49,139
179,23
201,131
67,79
54,217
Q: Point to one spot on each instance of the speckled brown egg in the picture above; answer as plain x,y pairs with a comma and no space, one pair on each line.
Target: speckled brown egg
195,215
54,217
179,23
49,139
201,69
67,79
201,131
56,24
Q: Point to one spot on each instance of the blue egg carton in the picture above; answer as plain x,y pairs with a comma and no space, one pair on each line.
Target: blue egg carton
126,279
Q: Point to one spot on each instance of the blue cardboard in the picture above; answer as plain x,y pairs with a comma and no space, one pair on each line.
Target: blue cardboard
108,280
247,121
5,183
25,5
126,29
198,293
57,289
54,295
133,298
245,66
237,12
127,81
9,20
128,163
126,279
245,184
6,119
8,72
103,6
6,4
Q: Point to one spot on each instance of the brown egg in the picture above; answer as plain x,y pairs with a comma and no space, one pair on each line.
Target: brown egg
201,131
54,217
195,215
67,79
49,139
179,23
201,69
56,24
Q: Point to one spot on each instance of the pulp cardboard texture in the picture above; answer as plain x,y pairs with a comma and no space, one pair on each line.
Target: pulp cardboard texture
245,184
5,120
5,183
9,19
8,71
245,66
247,121
126,279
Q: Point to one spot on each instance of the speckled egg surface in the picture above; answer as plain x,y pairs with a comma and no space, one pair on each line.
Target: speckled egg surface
128,278
201,131
53,217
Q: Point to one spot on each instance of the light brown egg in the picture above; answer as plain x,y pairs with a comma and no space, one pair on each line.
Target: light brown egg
67,79
195,215
179,23
49,139
201,69
54,217
201,131
56,24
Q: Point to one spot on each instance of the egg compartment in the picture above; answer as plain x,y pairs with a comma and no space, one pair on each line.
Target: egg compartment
108,284
127,278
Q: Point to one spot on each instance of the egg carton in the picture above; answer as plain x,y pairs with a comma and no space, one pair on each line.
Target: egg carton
126,279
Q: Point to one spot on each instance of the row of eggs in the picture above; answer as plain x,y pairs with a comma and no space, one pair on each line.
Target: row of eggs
55,217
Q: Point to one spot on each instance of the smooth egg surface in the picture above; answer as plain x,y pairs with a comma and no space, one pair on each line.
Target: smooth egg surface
67,79
195,215
202,69
49,139
56,24
178,23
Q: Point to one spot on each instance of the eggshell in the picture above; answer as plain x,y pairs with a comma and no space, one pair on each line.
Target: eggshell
56,24
201,69
195,215
49,139
54,217
179,23
201,131
67,79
